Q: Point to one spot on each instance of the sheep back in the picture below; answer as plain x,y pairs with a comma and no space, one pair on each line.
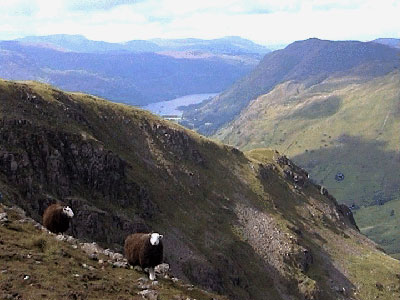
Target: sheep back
54,220
139,251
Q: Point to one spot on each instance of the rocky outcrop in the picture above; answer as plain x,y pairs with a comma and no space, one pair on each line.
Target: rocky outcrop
179,143
300,177
348,214
292,172
48,166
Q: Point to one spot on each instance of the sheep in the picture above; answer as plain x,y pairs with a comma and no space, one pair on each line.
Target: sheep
56,218
145,250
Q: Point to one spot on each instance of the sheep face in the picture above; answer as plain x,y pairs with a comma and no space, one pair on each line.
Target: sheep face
67,211
155,238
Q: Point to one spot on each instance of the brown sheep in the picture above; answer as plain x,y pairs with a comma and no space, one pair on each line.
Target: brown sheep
145,250
56,218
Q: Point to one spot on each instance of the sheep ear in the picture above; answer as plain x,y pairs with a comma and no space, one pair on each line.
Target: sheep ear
161,236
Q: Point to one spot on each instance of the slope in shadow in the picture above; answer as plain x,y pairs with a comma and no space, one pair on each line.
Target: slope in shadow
361,161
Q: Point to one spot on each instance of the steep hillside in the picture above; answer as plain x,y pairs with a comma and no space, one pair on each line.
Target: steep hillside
248,225
38,265
308,62
344,125
138,79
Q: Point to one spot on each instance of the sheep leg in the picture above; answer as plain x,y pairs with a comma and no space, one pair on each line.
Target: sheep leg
152,275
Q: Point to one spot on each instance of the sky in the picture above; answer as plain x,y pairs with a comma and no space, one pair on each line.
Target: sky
267,22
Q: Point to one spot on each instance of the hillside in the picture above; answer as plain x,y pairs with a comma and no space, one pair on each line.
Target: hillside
133,78
345,125
308,62
245,225
33,260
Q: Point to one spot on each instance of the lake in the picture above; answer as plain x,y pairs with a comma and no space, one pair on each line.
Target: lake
170,107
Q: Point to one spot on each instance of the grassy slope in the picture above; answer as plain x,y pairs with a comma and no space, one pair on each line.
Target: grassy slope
381,224
55,269
215,217
340,125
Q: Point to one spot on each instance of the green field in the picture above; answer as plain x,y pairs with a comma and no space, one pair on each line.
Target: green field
386,225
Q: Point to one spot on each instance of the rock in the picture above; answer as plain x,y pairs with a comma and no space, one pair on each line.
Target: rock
3,217
323,191
91,249
149,294
120,264
138,269
93,256
348,214
162,269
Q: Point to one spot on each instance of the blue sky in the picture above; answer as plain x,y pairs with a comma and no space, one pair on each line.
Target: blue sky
263,21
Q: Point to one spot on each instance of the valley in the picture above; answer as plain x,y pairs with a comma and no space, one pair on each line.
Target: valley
131,77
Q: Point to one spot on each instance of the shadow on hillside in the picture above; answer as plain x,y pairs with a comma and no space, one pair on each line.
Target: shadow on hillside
370,172
318,109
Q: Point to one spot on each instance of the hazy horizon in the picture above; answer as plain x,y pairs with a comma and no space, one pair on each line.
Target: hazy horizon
264,22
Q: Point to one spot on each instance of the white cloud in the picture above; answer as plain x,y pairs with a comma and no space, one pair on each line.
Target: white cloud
264,21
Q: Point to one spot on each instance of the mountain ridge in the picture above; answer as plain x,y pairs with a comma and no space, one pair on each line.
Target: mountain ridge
78,43
310,61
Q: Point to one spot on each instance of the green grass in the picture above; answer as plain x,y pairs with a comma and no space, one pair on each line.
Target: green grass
382,224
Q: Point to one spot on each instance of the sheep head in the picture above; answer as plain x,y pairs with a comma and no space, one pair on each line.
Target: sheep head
67,211
155,238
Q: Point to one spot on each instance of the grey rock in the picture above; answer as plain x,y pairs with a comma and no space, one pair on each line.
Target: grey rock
3,217
162,269
149,294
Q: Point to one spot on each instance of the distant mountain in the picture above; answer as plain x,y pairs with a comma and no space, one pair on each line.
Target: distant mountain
246,225
395,43
310,62
226,45
134,78
78,43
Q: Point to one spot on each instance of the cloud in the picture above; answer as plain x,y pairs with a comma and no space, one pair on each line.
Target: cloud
89,5
264,21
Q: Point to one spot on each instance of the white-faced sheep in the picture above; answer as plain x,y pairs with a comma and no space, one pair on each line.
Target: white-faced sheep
56,218
144,250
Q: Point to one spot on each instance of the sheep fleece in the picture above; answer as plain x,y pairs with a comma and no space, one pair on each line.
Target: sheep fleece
54,220
139,251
